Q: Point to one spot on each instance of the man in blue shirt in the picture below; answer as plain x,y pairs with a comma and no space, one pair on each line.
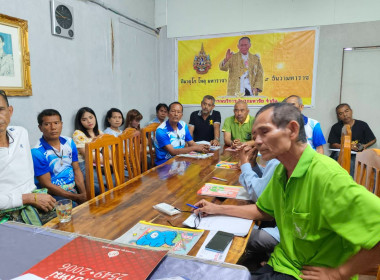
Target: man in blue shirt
161,113
172,135
313,129
262,240
55,160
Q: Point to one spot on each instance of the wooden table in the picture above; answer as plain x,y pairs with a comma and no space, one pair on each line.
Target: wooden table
176,182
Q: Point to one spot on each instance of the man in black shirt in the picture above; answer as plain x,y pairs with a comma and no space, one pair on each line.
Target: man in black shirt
362,135
204,124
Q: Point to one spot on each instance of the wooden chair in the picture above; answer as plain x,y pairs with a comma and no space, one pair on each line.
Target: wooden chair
107,154
345,148
132,149
367,174
148,134
367,170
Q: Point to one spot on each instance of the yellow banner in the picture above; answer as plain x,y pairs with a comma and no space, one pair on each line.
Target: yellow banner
277,65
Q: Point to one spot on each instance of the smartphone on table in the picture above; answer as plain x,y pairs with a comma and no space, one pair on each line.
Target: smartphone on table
220,241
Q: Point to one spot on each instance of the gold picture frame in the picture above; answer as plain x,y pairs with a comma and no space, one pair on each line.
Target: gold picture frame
14,57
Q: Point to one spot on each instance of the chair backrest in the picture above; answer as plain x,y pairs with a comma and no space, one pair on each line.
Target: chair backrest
105,155
345,148
148,134
367,174
132,148
367,170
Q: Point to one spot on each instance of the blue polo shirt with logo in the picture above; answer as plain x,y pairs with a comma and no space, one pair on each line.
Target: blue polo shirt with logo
166,135
57,163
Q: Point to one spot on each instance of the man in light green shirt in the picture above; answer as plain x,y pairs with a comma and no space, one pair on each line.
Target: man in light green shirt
238,128
329,225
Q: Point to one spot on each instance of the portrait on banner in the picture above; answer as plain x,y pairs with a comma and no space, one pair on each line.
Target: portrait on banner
258,68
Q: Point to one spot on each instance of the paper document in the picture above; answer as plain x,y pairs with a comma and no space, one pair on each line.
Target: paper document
154,236
338,150
203,253
212,148
226,164
196,155
219,190
236,226
243,195
28,276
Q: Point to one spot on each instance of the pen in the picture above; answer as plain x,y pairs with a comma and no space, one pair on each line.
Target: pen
220,179
195,207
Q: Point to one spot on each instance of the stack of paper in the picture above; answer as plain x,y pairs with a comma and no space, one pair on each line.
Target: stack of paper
196,155
234,225
212,148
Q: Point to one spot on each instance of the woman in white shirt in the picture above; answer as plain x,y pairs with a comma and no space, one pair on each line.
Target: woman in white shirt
114,119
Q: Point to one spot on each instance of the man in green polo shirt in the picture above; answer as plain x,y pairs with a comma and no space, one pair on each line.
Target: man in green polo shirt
237,128
329,225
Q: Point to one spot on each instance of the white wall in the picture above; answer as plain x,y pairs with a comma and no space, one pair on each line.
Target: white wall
199,17
333,38
68,74
140,10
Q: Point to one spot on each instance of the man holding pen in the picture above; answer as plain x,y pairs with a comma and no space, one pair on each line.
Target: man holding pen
329,225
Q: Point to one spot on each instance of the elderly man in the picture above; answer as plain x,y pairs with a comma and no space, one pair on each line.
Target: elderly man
245,73
313,129
16,169
172,135
362,135
55,160
329,225
204,124
237,129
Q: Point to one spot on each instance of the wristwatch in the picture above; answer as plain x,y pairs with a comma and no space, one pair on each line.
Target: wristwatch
217,139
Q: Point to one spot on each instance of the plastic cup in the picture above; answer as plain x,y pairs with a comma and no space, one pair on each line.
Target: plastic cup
63,208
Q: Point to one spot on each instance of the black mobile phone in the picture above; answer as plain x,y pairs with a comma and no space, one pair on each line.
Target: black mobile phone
220,241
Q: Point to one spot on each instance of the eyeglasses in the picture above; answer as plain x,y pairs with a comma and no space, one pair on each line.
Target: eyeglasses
197,220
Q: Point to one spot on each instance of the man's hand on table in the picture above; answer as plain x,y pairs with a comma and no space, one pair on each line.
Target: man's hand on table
205,208
236,143
214,142
80,198
202,148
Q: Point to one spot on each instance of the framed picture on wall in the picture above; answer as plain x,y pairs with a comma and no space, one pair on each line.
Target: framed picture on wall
14,56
